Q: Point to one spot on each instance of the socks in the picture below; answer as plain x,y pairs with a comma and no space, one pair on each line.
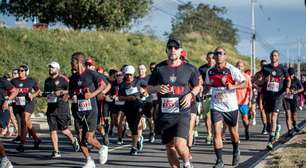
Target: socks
218,153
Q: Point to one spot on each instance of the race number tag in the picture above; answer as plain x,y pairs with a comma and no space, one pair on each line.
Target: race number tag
84,105
20,101
108,99
119,103
154,96
288,96
273,86
221,95
131,91
51,99
170,105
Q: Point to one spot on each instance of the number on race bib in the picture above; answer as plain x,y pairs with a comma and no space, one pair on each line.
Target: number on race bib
20,101
170,105
131,91
51,99
273,86
84,105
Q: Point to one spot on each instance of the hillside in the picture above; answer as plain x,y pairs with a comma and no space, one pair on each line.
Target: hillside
110,49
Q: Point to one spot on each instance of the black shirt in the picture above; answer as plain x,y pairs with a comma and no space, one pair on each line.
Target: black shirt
24,87
87,81
5,86
180,79
276,84
55,84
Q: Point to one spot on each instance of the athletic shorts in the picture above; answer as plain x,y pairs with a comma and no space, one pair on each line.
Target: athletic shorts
290,104
4,118
272,103
193,108
133,115
230,118
58,116
206,106
243,109
29,107
174,125
147,109
85,120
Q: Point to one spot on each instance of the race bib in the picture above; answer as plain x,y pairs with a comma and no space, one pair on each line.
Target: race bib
84,105
170,105
221,95
51,99
273,86
288,96
20,101
131,91
108,99
120,103
154,96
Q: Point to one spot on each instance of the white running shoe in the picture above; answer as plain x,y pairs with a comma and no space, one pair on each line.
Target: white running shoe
5,163
254,122
103,152
90,164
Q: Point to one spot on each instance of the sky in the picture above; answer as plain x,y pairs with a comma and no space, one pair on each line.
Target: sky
279,24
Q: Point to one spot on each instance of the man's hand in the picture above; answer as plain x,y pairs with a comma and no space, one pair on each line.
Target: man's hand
163,89
31,96
230,86
88,95
186,101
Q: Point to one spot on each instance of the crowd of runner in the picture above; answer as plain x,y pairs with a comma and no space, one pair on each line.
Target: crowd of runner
171,100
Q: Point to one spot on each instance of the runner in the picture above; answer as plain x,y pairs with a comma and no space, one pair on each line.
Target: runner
224,79
142,81
207,96
86,85
7,93
244,99
277,82
130,93
172,80
24,105
290,102
58,117
259,84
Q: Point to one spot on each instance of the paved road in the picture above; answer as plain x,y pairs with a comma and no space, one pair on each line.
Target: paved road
153,155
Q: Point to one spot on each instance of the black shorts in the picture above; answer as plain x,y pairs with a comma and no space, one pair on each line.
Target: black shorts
58,116
4,118
272,103
85,120
175,125
133,115
230,118
148,109
29,107
290,104
193,108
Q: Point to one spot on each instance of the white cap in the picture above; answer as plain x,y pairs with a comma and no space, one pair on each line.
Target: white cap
129,70
54,65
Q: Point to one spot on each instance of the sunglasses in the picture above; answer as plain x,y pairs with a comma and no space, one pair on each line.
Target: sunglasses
219,53
118,75
21,70
170,47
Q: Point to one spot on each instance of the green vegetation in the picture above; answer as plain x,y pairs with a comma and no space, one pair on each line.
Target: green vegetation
110,49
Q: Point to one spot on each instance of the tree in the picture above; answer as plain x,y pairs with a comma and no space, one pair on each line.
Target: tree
205,20
79,14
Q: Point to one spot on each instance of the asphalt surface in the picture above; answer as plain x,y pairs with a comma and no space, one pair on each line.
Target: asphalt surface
153,155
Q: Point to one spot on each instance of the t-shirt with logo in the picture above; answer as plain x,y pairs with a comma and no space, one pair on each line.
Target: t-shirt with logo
5,87
55,84
223,99
79,84
24,87
179,79
275,84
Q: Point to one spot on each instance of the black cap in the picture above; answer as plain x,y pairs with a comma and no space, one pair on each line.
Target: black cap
291,71
174,42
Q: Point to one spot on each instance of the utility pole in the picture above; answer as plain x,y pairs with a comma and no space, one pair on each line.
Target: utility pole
253,56
288,58
299,60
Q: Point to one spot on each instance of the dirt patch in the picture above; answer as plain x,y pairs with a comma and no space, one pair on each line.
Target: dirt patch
293,154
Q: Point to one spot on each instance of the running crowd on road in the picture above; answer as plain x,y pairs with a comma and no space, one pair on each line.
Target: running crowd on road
171,101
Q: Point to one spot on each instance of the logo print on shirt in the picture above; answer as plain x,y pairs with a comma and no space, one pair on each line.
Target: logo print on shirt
273,73
172,79
57,82
79,83
21,85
